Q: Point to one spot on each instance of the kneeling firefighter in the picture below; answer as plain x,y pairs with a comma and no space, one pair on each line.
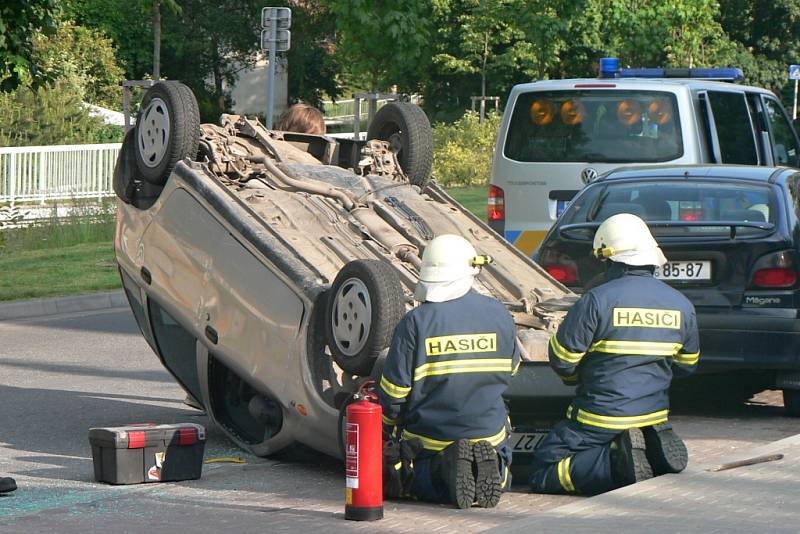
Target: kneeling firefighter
620,344
449,362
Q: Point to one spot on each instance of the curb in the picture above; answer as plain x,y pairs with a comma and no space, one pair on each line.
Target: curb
25,309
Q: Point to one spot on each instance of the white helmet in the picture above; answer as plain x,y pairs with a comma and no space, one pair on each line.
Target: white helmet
449,265
625,238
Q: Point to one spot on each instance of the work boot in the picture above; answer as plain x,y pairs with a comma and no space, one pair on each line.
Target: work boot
665,450
488,484
392,480
7,485
457,473
628,458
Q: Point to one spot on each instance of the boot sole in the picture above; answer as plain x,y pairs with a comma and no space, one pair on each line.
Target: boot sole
629,463
487,480
665,450
642,469
462,486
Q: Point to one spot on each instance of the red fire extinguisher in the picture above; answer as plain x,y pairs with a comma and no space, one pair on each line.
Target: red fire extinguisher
363,460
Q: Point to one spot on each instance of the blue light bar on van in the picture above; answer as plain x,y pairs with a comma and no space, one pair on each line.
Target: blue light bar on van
609,68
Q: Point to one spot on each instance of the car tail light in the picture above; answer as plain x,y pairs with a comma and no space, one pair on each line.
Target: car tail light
775,277
566,274
559,266
775,270
691,214
496,204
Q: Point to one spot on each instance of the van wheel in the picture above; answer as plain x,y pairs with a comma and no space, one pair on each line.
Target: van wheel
167,130
365,305
791,402
407,129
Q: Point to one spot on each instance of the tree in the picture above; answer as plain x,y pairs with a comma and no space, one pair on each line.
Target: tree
383,43
19,22
172,6
85,58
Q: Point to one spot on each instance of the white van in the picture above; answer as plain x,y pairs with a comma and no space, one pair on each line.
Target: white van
557,135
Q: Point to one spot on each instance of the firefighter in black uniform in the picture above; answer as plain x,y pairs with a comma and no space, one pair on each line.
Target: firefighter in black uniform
450,361
620,344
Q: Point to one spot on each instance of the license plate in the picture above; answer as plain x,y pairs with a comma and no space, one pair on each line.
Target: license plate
684,270
526,441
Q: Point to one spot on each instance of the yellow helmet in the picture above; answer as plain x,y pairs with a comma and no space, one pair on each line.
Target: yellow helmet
625,238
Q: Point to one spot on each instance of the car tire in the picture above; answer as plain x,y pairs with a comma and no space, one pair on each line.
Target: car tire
124,179
372,289
407,129
791,402
167,130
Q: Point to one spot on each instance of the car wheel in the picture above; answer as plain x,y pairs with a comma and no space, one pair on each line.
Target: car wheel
791,402
365,304
167,130
124,180
407,129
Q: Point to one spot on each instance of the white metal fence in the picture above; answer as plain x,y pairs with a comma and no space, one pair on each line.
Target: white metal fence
42,173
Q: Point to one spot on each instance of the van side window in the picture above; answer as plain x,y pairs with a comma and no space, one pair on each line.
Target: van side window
784,143
733,128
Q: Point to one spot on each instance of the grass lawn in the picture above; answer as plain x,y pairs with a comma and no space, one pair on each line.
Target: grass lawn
71,270
473,198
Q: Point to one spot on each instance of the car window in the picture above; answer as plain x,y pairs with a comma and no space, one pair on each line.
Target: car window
177,347
784,146
681,201
594,126
734,128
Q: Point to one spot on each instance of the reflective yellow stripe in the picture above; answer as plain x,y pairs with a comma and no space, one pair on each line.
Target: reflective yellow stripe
643,348
516,367
569,412
398,392
505,478
480,365
689,358
571,379
621,422
564,354
564,477
388,421
398,466
438,444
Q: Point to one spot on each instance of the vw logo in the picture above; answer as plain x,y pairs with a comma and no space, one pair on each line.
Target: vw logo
588,174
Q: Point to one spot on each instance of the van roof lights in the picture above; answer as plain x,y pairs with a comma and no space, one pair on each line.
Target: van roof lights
609,68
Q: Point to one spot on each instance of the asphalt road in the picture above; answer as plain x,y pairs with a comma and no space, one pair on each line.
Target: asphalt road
61,375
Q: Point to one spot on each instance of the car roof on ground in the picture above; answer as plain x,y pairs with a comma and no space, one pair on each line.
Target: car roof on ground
736,172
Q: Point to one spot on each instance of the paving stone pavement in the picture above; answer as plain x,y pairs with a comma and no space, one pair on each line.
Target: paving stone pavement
762,497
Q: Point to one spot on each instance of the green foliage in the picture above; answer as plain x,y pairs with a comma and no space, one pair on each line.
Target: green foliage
87,59
463,150
383,43
19,22
50,116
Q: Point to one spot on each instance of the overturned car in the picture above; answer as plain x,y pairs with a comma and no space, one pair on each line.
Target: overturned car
268,269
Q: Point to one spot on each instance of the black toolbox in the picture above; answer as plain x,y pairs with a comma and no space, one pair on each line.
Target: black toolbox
147,453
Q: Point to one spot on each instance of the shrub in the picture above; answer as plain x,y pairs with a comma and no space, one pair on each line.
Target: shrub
463,150
50,116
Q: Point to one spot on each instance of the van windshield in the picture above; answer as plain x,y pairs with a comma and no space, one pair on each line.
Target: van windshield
605,126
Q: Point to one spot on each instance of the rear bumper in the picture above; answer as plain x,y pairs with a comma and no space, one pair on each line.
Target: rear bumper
745,339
